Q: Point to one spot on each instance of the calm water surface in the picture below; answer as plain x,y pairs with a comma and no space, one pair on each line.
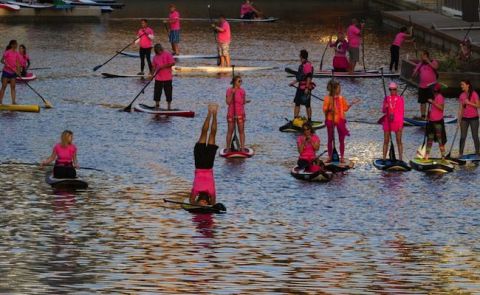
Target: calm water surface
364,232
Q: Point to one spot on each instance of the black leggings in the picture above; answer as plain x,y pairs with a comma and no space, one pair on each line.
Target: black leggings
473,123
145,53
64,172
394,57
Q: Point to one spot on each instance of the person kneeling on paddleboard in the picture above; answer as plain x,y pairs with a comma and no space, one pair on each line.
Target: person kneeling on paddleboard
203,190
236,99
436,125
162,67
340,61
305,86
308,144
24,60
392,121
65,156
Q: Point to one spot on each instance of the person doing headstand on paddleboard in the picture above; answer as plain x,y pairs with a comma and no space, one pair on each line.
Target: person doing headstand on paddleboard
392,121
335,106
162,67
426,69
236,99
145,42
305,86
436,125
340,61
203,191
65,156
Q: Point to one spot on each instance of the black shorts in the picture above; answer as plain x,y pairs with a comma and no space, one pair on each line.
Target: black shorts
301,98
436,131
64,172
424,94
204,155
163,85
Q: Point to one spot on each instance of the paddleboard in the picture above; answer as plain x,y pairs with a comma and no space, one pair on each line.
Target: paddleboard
389,165
28,77
254,20
92,3
423,123
106,9
10,7
27,5
66,183
113,75
218,208
237,154
164,112
336,166
473,158
317,176
433,165
215,69
289,127
356,74
33,108
180,57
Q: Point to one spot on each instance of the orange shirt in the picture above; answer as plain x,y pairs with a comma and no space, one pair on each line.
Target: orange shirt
341,107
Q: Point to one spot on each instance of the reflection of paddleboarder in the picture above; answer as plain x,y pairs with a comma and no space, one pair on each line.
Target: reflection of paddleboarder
203,191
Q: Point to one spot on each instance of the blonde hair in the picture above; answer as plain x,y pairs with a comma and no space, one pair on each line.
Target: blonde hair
64,135
332,87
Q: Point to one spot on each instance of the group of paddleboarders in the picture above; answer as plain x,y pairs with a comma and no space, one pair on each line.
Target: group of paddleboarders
15,62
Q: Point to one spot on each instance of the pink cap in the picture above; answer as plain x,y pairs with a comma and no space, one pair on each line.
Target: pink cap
392,85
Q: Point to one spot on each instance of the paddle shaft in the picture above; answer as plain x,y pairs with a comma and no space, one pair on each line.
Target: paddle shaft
36,164
129,107
363,48
118,52
40,68
334,152
324,51
454,138
468,32
234,138
46,102
414,43
392,147
183,203
317,97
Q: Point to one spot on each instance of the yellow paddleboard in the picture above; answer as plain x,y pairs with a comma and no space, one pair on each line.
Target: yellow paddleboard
20,107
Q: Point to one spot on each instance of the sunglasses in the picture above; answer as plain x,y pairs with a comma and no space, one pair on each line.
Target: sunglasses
392,89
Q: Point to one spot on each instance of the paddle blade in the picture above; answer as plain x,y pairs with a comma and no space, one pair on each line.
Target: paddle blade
127,109
391,153
219,207
48,105
422,151
96,68
335,156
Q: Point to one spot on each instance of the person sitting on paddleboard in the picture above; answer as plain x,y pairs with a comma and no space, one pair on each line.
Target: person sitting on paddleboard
145,41
236,99
248,11
401,37
65,156
24,60
162,67
223,41
469,103
308,144
426,69
340,61
305,86
354,36
174,28
203,190
436,125
11,69
335,106
392,121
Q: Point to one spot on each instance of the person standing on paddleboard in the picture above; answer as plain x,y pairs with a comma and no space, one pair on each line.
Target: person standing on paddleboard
11,69
65,156
236,99
335,106
305,86
203,191
436,125
354,35
397,43
340,61
24,60
469,103
248,11
145,41
307,144
223,41
392,121
426,69
174,29
162,67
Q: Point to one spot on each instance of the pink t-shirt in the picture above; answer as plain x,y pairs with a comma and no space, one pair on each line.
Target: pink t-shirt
393,105
224,37
354,36
399,39
204,181
469,111
10,59
427,74
245,8
308,152
161,59
174,16
65,154
145,41
307,70
238,101
436,114
24,60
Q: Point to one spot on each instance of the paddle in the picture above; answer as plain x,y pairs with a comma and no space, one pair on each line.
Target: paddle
214,30
422,150
129,107
218,206
335,156
37,164
468,32
391,152
414,43
41,68
324,51
118,52
313,95
363,47
235,138
48,105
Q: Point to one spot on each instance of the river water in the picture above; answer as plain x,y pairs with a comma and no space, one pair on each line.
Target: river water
364,232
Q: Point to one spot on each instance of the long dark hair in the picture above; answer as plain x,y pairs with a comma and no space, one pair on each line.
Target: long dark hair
11,43
470,88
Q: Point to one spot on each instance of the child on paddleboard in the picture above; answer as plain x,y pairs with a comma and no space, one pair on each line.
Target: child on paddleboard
24,60
203,191
335,106
436,125
236,99
162,67
65,156
305,86
340,61
469,103
11,69
392,121
308,144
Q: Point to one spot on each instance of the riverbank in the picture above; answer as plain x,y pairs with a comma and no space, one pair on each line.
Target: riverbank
69,15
